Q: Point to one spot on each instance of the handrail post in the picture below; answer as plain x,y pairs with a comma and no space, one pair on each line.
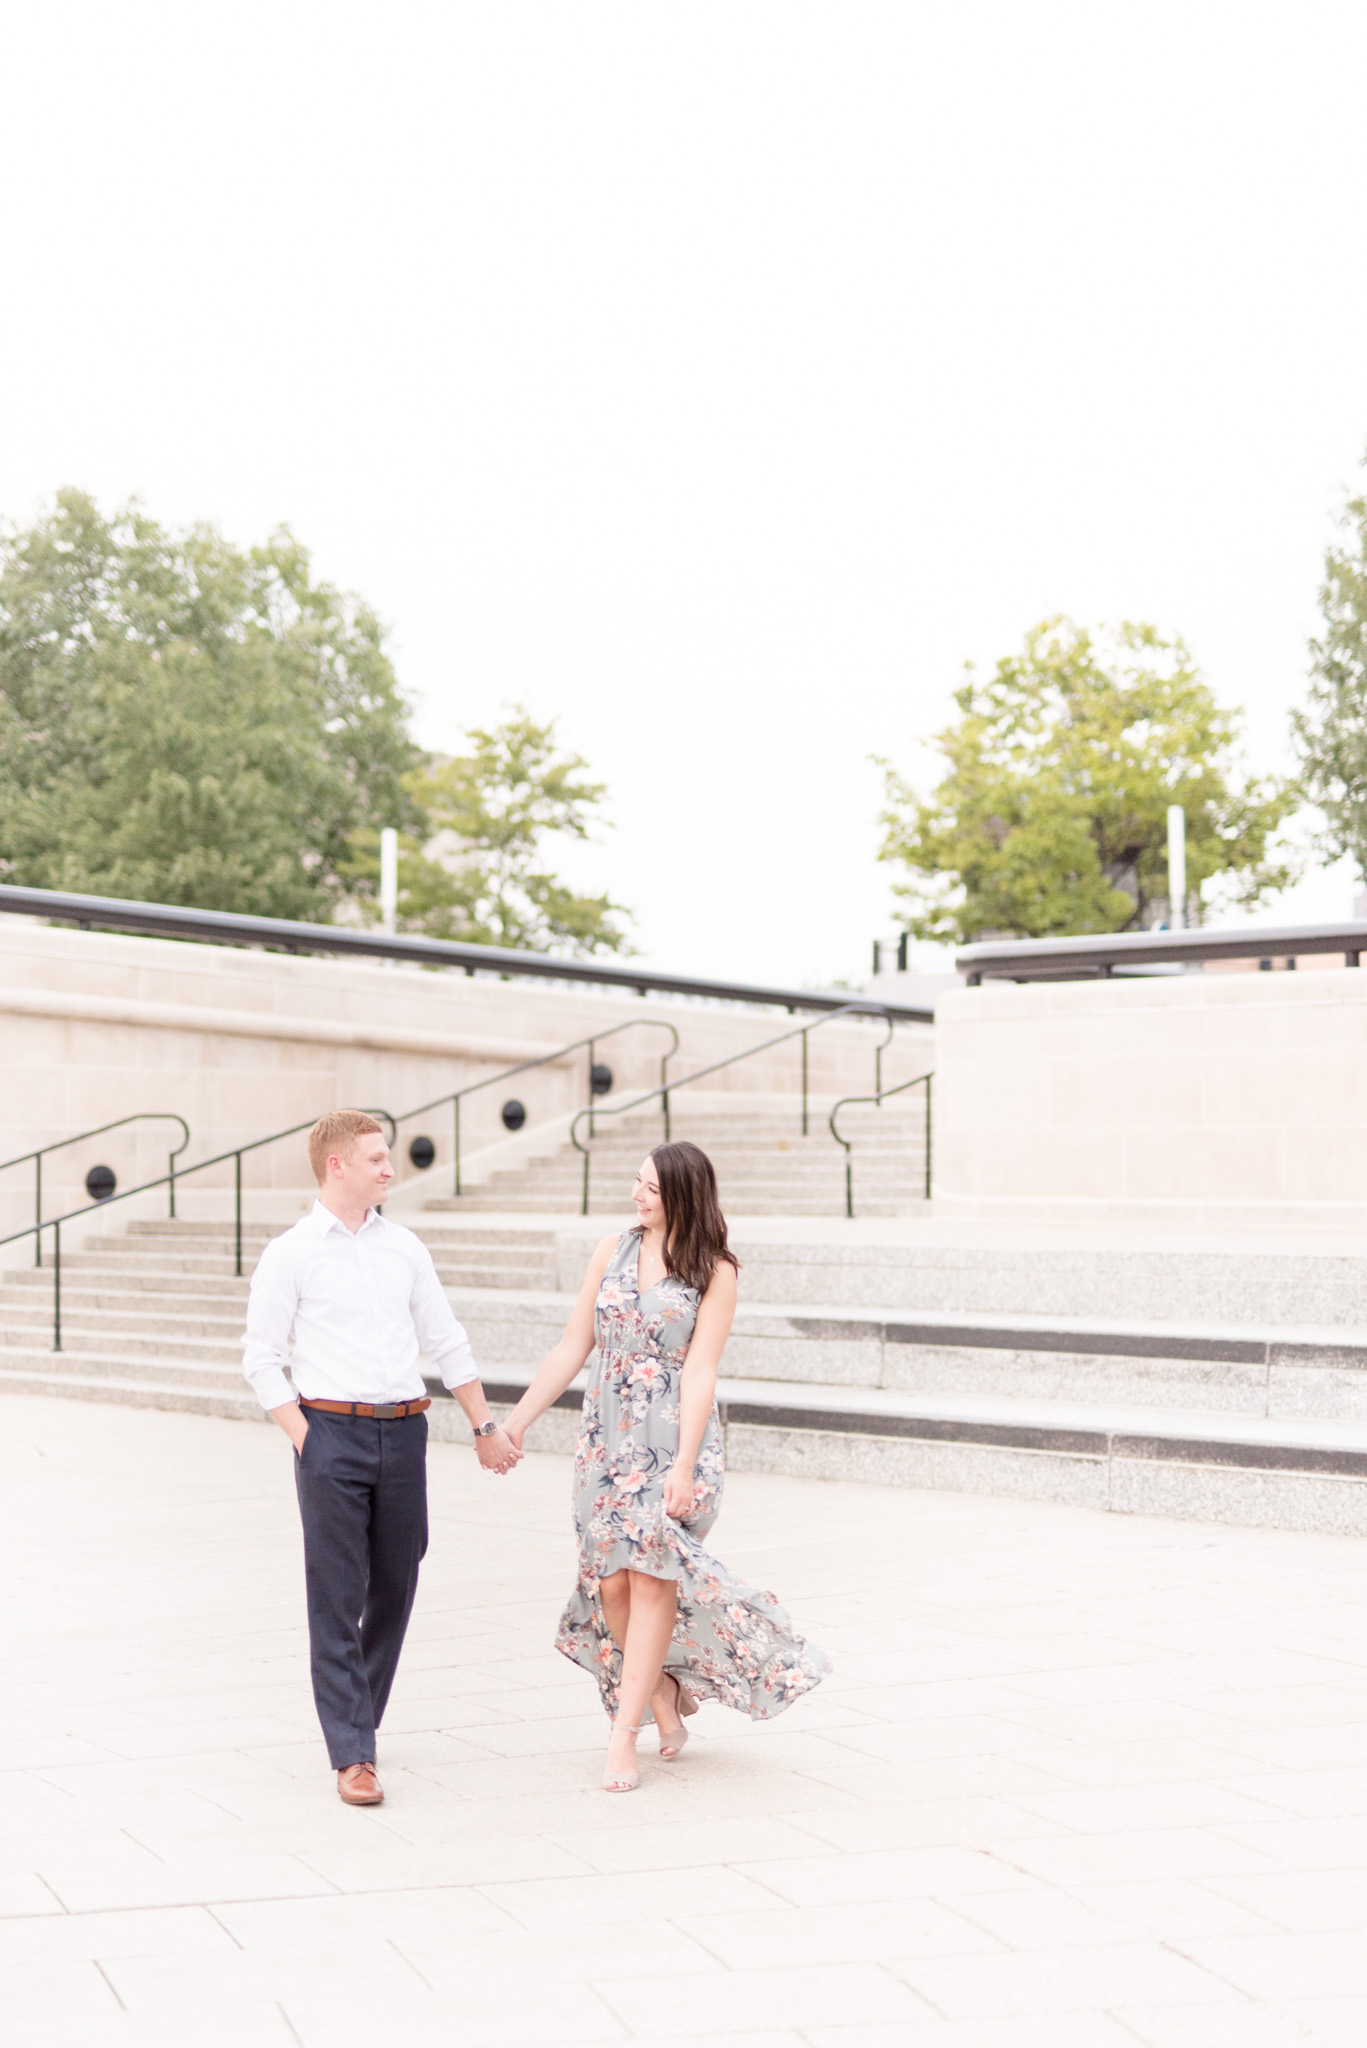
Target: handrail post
664,1090
849,1184
57,1286
929,1081
171,1184
38,1209
805,1029
237,1181
591,1095
455,1137
584,1208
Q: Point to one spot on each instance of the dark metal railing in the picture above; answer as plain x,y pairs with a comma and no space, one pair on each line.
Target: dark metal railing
230,928
54,1223
140,1116
800,1031
1111,953
577,1045
879,1099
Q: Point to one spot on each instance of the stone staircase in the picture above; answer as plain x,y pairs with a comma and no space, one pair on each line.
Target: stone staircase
154,1316
765,1167
1210,1385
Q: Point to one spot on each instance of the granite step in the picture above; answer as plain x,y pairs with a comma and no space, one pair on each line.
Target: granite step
1204,1466
177,1371
1261,1372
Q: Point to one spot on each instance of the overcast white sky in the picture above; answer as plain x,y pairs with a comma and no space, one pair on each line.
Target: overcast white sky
715,377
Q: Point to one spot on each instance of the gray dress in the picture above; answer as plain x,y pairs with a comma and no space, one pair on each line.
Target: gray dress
731,1642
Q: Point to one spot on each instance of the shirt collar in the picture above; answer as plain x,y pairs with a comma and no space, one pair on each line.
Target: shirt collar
322,1220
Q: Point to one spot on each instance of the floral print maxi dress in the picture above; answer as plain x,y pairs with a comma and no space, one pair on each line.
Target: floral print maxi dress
731,1643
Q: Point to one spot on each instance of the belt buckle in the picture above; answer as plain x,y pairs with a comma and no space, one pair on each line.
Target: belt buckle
389,1412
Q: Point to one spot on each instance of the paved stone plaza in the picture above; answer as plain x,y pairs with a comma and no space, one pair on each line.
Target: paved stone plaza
1079,1779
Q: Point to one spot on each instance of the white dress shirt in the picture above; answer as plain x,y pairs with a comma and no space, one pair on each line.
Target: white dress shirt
359,1311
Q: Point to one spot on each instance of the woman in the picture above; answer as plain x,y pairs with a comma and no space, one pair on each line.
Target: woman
658,1622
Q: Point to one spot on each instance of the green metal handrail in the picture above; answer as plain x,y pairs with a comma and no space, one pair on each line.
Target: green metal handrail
576,1045
799,1031
54,1223
879,1099
139,1116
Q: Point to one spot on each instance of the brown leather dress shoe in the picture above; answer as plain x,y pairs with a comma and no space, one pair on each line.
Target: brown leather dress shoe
358,1785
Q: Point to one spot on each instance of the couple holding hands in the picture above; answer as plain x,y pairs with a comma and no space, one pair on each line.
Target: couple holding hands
349,1301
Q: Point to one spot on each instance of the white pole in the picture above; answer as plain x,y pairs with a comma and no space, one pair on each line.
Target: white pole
389,879
1177,867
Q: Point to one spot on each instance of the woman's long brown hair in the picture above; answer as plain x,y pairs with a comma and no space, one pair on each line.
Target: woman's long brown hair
695,1229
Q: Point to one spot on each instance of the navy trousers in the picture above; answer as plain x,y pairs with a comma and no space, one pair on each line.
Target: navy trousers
362,1488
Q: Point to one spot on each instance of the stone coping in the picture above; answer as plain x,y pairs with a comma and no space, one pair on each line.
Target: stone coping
1329,1345
1149,1434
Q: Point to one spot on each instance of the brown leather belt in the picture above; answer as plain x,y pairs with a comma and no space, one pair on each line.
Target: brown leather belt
386,1411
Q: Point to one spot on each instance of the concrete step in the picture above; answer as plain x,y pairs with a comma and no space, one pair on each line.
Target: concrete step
222,1352
933,1270
170,1258
1263,1373
123,1366
112,1274
1203,1466
763,1203
133,1312
135,1390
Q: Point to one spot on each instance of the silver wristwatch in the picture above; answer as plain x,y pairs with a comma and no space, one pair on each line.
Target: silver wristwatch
486,1428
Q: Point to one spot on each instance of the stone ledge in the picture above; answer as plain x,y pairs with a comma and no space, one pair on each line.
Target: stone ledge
1330,1450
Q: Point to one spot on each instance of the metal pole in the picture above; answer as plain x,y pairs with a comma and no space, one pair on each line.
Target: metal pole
929,1079
584,1210
389,879
38,1210
849,1185
237,1176
591,1095
171,1182
1177,867
455,1136
805,1030
57,1286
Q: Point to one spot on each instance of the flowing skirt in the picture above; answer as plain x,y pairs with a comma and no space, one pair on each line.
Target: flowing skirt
732,1642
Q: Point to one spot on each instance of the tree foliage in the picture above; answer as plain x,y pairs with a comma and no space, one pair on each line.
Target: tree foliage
188,723
1052,817
1331,732
185,722
483,873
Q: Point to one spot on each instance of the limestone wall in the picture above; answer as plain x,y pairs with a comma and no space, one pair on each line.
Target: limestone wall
94,1026
1222,1101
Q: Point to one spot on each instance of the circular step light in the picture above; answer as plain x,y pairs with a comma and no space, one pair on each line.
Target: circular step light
421,1153
600,1079
514,1114
100,1183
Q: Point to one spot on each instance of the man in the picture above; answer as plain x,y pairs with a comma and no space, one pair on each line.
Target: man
359,1298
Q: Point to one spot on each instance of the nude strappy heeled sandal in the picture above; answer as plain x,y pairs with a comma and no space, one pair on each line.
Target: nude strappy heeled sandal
623,1781
671,1746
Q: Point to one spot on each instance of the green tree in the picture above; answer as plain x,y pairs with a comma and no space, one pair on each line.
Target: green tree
1331,732
186,722
1052,817
483,873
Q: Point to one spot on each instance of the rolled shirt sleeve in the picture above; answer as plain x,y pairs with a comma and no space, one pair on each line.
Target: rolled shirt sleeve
442,1338
271,1303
